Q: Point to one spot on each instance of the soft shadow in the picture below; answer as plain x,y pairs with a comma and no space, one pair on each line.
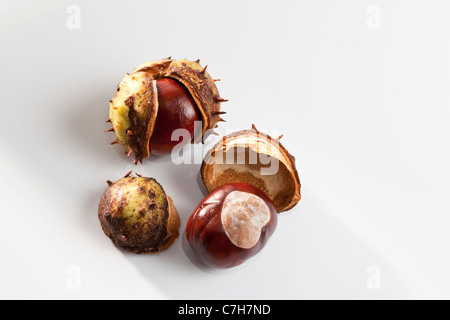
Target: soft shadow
201,185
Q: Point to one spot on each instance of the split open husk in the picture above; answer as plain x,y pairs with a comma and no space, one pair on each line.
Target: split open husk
253,157
134,107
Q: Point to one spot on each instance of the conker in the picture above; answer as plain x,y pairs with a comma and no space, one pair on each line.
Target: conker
176,109
230,225
137,215
159,97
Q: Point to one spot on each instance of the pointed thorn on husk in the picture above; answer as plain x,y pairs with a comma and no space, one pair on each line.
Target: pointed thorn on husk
204,69
280,137
109,130
215,80
198,60
108,120
168,58
219,99
135,161
219,112
114,142
139,175
130,152
129,133
109,182
253,127
128,174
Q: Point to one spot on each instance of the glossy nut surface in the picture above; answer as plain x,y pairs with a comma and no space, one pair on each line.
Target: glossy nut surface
231,225
176,110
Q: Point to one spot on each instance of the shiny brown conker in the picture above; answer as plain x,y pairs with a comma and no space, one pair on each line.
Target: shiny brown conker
231,225
176,110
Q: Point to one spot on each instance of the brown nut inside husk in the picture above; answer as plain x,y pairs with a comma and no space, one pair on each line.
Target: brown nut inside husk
134,107
253,157
137,215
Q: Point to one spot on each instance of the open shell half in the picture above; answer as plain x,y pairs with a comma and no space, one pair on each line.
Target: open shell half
253,157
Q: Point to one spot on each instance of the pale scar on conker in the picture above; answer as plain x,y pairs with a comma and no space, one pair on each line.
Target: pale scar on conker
159,97
137,215
243,217
253,157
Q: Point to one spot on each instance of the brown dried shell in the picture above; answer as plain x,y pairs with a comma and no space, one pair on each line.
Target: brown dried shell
134,107
137,215
253,157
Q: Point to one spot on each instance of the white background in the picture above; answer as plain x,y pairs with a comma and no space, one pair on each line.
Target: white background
360,90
